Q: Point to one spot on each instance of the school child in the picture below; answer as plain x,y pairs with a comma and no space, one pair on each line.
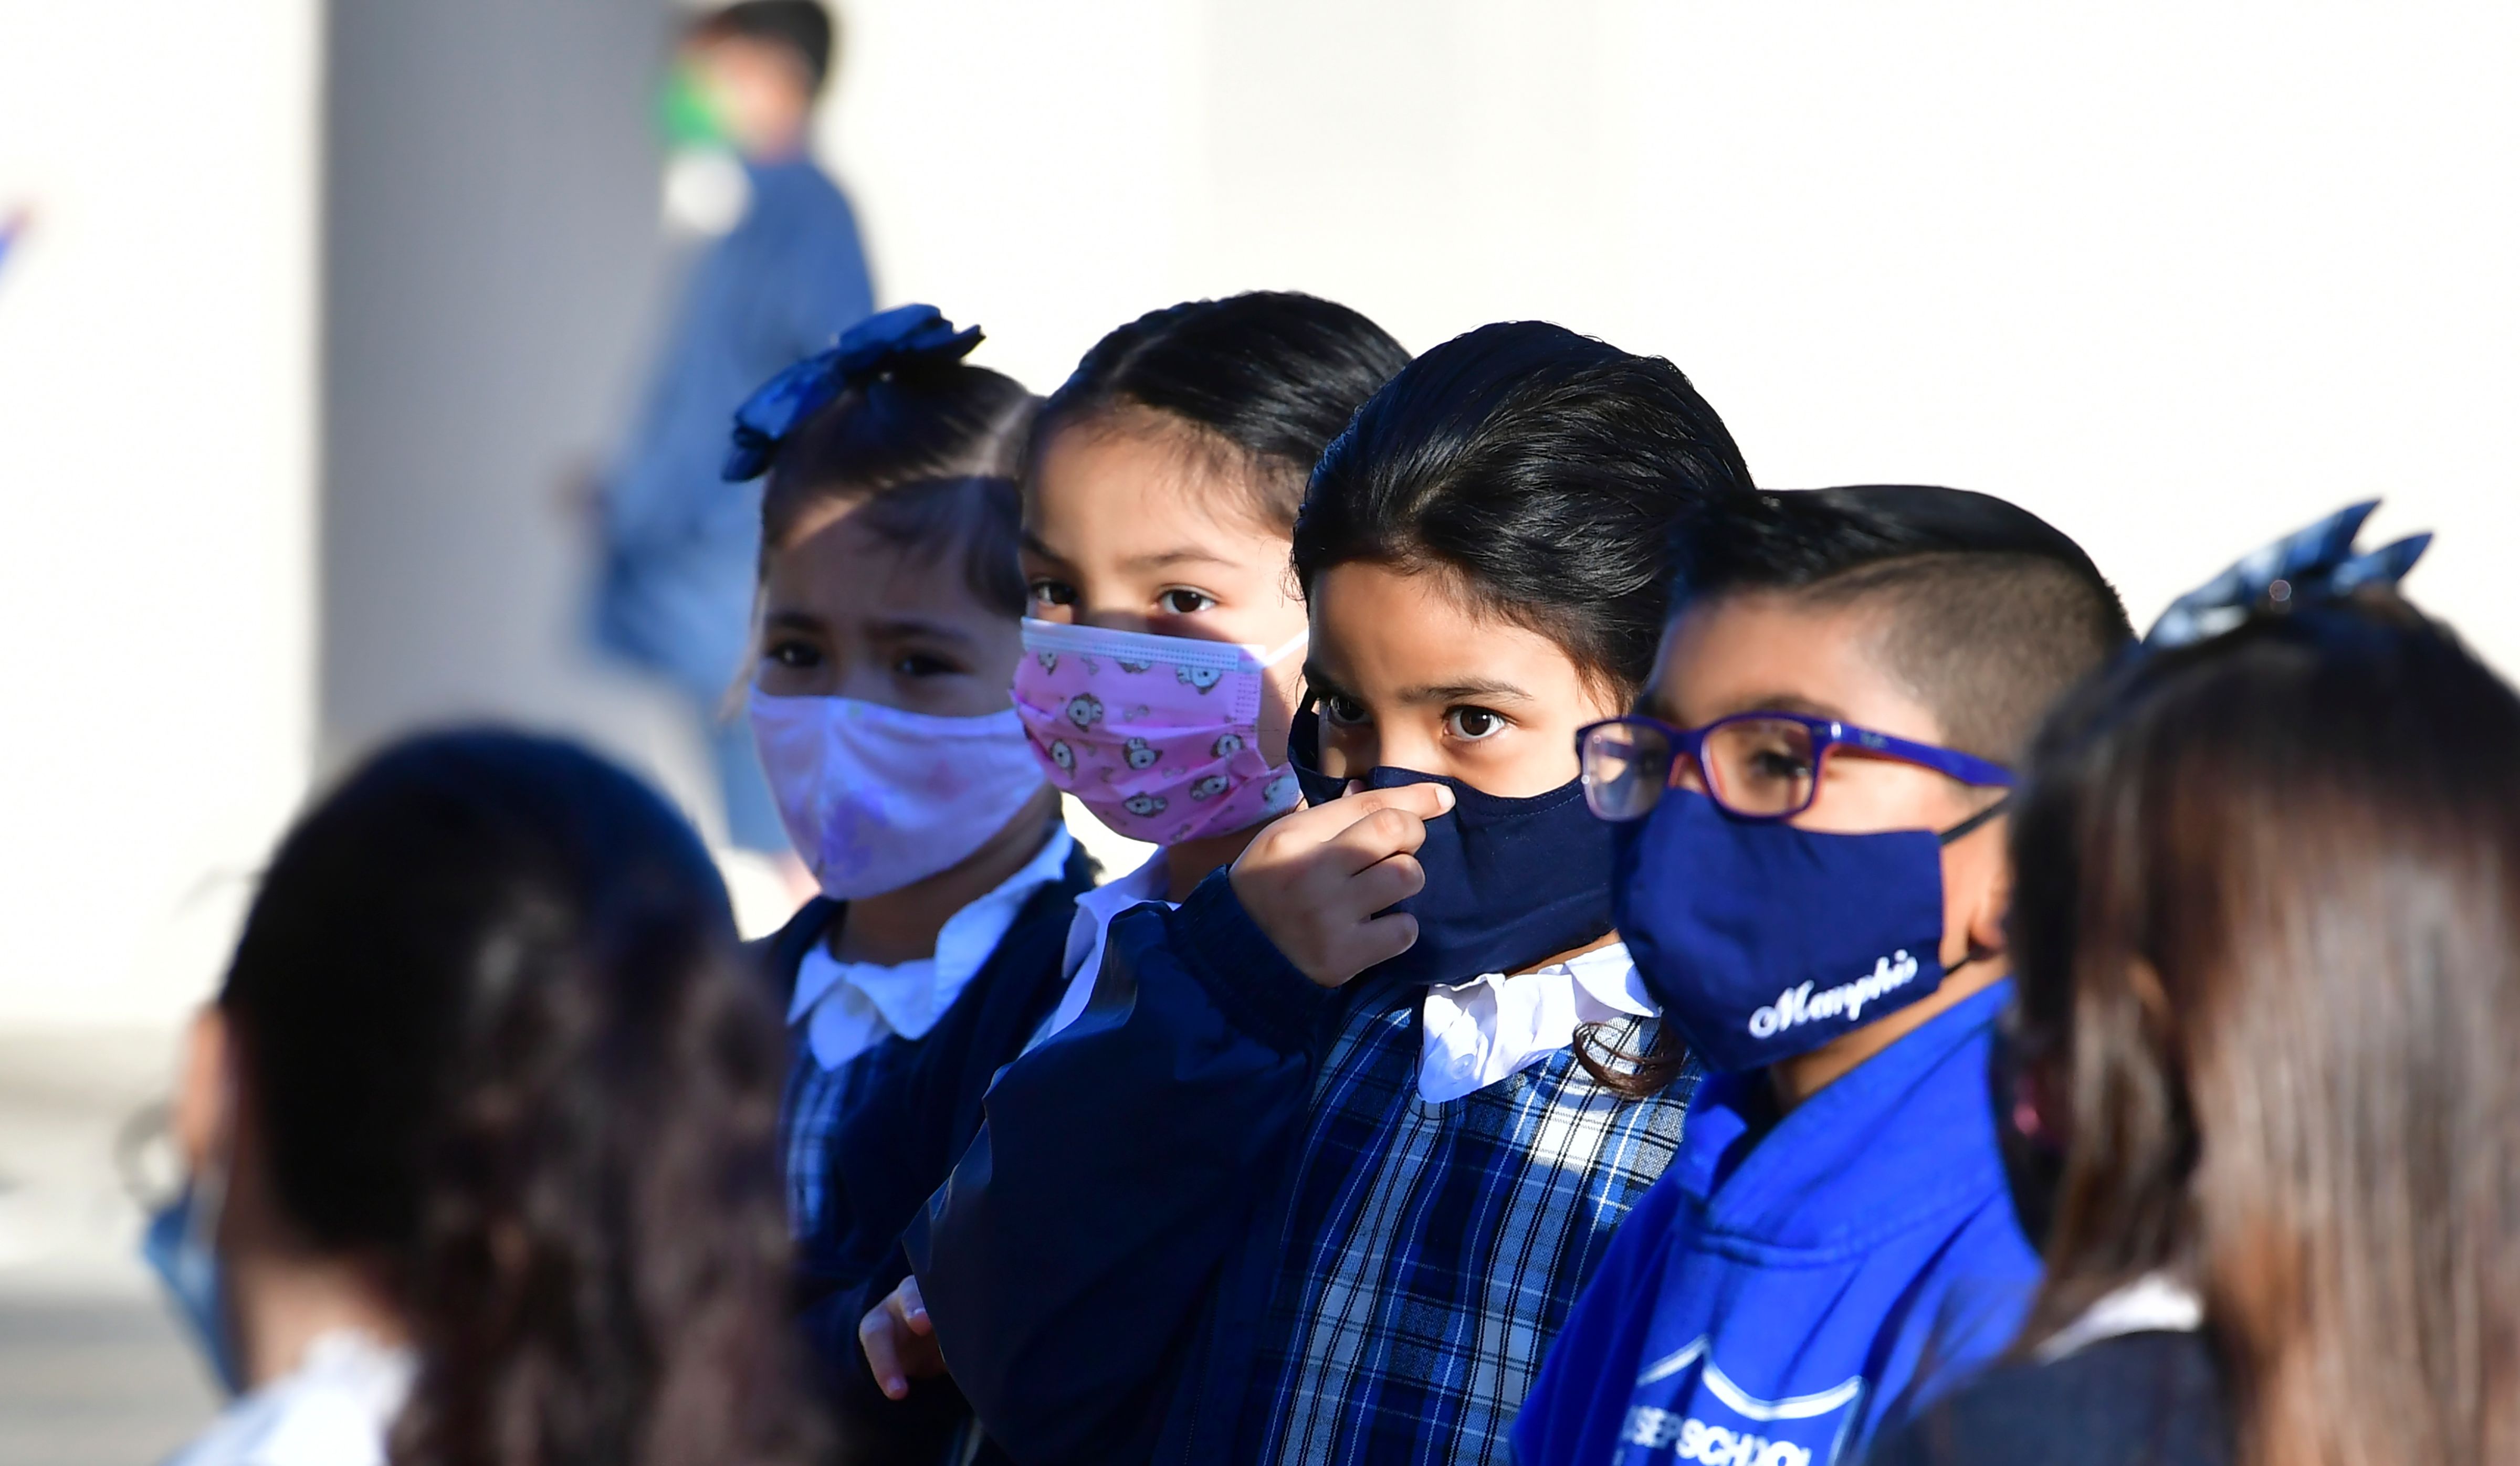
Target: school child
2257,1080
888,608
1253,1205
1812,879
1159,491
480,1135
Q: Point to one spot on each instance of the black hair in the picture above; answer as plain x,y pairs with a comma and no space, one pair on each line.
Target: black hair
803,26
1272,375
494,1041
1543,469
1992,612
934,448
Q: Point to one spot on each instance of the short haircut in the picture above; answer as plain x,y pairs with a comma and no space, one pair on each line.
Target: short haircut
803,26
1269,375
1991,612
1541,468
931,450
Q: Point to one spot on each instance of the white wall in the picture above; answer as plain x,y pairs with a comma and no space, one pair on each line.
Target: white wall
156,399
2175,275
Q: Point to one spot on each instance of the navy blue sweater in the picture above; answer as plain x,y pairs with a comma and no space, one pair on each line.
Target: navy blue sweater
1219,1165
903,1139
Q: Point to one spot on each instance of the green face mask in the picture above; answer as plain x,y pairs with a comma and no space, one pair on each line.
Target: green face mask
686,114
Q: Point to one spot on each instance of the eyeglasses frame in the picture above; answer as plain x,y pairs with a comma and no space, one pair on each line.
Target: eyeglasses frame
1826,733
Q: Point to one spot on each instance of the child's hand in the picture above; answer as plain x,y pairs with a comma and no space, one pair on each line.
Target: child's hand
1314,880
900,1342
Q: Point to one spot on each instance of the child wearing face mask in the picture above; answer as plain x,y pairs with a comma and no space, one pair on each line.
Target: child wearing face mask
1159,669
1812,879
1254,1207
888,607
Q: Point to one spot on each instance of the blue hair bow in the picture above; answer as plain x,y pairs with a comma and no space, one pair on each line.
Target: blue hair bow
2307,567
885,341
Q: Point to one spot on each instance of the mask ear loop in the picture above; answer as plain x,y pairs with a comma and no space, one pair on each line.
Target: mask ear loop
1969,825
1962,830
206,1206
1271,658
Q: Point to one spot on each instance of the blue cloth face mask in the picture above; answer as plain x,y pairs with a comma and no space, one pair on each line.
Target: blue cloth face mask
1762,941
177,1247
1509,881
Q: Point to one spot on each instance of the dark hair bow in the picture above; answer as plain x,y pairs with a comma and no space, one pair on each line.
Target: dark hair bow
885,341
2307,567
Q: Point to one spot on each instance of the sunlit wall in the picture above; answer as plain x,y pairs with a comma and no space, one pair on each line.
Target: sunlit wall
2175,275
157,487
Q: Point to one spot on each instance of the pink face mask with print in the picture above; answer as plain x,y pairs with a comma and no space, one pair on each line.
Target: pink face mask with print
1159,736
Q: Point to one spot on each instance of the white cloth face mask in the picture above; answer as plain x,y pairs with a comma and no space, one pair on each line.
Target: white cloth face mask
875,798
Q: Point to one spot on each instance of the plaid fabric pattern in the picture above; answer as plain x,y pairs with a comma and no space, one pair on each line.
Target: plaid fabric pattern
815,1102
1433,1251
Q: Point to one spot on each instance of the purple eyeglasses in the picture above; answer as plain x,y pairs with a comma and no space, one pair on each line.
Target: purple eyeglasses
1757,766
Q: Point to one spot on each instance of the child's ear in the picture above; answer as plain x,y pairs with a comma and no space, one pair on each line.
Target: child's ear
1989,905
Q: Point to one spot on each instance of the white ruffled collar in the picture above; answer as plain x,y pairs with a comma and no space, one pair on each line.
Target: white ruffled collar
849,1007
2155,1303
1481,1031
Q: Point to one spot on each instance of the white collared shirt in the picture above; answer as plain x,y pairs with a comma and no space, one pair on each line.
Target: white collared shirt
849,1007
1476,1032
1481,1031
333,1410
2155,1303
1091,928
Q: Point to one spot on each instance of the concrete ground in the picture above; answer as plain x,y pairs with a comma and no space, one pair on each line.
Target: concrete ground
94,1368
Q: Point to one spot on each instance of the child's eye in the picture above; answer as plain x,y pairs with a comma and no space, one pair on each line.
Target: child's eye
922,664
1472,724
1339,709
1052,592
793,654
1780,765
1182,600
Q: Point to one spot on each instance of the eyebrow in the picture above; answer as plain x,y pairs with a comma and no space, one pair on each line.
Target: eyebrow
919,626
1166,560
893,626
1154,560
1784,702
1468,689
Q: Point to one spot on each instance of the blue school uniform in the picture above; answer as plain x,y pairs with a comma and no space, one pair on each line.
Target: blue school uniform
1781,1296
866,1141
1215,1219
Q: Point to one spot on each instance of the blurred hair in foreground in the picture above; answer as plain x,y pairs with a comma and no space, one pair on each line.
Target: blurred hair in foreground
2268,930
493,1041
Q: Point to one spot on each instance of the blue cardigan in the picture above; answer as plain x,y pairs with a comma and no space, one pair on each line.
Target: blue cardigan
1214,1222
1792,1284
917,1114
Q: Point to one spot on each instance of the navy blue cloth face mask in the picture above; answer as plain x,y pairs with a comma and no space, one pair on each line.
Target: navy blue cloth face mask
1509,881
1762,941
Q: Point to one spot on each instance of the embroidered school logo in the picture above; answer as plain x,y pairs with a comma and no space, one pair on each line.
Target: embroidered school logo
1798,1005
1705,1417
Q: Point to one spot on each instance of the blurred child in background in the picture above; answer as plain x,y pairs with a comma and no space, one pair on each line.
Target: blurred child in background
1250,1206
676,546
1159,492
2260,1080
480,1135
1809,879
